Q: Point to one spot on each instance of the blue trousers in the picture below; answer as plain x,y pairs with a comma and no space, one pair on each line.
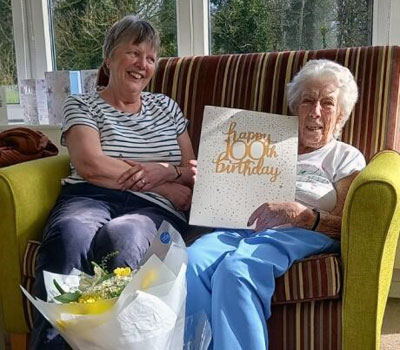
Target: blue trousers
86,224
231,277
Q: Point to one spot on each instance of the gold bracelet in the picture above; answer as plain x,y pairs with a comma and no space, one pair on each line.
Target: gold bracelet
178,172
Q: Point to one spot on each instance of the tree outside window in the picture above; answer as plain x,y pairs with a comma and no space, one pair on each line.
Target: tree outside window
237,26
79,27
244,26
8,71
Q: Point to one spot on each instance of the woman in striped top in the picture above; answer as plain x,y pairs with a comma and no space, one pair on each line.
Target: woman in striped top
132,167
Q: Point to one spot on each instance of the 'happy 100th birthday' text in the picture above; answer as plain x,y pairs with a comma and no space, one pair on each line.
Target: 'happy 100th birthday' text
245,154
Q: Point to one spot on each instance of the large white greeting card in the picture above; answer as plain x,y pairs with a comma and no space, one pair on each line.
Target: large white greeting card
27,96
3,106
245,159
33,97
41,100
60,84
88,80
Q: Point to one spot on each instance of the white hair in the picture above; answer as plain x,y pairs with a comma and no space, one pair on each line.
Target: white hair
328,72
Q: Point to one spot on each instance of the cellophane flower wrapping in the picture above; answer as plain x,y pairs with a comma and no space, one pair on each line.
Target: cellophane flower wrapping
149,314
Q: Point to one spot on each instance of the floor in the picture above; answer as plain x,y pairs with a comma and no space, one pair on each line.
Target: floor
390,339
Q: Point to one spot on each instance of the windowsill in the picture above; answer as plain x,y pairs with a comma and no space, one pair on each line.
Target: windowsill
32,126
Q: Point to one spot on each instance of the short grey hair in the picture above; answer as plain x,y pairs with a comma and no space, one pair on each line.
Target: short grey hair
130,29
329,72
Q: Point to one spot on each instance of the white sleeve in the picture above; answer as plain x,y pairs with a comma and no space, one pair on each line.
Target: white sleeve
348,160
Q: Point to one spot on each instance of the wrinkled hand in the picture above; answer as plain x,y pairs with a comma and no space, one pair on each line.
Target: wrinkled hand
143,176
269,215
179,195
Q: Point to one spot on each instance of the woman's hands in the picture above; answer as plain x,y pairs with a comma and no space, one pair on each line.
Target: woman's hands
145,176
162,179
180,195
269,215
189,172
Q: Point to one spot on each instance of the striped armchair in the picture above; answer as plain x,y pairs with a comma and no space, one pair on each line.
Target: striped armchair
307,305
323,302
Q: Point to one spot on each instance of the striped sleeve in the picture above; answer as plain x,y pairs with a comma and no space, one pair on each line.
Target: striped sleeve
180,121
76,111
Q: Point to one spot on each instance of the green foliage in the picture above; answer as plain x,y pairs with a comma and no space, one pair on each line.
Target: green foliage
105,260
8,74
12,94
80,27
243,26
238,26
65,297
354,28
268,25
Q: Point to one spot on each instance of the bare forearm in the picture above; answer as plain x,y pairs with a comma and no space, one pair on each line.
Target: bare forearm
103,171
186,178
328,224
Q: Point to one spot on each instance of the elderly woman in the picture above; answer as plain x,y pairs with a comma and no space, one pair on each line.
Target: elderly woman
231,273
132,167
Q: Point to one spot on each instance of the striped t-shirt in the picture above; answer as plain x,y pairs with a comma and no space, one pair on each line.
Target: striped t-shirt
147,136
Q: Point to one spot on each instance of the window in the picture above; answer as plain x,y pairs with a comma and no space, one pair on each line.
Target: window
79,28
8,75
239,26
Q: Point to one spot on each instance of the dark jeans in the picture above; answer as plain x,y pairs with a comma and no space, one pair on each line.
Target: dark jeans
87,223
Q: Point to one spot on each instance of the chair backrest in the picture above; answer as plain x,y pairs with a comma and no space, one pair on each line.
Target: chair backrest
258,82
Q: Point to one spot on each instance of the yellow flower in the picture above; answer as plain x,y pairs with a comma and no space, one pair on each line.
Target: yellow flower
88,299
122,271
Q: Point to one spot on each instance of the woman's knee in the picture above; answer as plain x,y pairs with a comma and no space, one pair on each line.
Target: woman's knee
238,271
127,236
195,260
65,245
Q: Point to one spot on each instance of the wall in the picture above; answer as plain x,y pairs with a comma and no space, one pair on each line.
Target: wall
395,288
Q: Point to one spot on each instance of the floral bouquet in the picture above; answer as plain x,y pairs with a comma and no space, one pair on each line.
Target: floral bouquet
125,309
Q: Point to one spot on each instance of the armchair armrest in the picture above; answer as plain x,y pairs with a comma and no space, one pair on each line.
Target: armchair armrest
370,231
28,192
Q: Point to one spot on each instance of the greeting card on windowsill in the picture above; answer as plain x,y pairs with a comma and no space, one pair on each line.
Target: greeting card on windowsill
88,80
3,106
245,159
59,85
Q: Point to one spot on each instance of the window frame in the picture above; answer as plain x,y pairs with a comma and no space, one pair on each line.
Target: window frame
33,44
31,38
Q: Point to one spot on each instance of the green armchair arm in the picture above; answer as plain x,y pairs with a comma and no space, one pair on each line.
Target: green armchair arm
370,231
28,192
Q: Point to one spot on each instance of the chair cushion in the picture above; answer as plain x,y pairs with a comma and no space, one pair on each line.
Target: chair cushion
312,279
315,278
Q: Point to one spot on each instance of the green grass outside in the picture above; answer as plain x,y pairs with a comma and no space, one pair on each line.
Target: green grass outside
12,94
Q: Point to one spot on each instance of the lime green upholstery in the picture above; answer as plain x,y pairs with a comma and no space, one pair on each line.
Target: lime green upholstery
28,192
257,82
370,231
